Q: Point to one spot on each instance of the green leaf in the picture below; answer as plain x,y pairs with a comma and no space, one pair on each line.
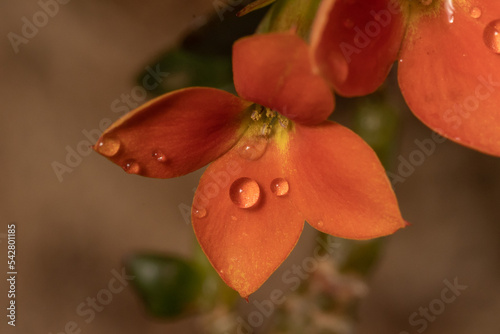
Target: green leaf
168,285
285,15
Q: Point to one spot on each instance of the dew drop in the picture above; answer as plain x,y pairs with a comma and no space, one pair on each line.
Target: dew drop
450,10
491,36
108,146
253,148
280,186
158,155
244,192
348,24
131,167
320,224
200,212
475,12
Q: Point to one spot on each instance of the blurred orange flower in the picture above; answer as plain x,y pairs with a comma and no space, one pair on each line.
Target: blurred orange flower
277,161
449,59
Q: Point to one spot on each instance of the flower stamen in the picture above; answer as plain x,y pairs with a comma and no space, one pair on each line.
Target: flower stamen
270,113
265,118
266,129
283,121
257,113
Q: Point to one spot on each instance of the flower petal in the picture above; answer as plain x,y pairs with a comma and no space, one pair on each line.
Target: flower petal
245,245
450,77
324,174
275,70
355,43
343,188
176,133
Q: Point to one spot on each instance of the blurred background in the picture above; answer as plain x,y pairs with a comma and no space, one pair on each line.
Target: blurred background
78,216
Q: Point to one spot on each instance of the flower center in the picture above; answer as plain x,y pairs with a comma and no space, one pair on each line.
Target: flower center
263,126
268,121
419,8
424,5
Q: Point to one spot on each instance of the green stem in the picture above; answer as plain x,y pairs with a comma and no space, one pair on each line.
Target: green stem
286,15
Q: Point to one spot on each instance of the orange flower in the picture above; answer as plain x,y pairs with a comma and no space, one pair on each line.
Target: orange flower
449,59
276,161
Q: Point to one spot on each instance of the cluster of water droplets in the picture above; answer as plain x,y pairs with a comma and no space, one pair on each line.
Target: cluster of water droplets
246,193
109,147
491,33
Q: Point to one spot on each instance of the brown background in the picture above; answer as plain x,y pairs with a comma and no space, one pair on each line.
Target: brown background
72,234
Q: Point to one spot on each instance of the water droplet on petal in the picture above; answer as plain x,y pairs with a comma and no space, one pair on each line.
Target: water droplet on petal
200,212
348,23
158,155
244,192
131,167
320,224
108,146
253,148
280,186
475,12
450,10
491,36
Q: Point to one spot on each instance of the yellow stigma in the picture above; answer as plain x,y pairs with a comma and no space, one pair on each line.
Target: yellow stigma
268,123
416,10
257,113
420,8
